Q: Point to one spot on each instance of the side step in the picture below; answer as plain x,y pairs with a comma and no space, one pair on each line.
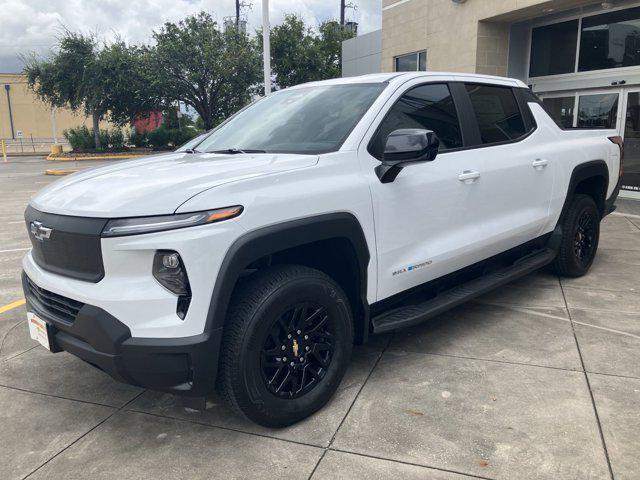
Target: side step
410,315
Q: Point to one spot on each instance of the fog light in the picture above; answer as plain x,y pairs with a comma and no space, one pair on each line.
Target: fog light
169,271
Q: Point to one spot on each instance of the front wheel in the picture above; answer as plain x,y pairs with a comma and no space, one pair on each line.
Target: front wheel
286,344
580,237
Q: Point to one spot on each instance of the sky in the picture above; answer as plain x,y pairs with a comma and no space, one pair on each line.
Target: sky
33,25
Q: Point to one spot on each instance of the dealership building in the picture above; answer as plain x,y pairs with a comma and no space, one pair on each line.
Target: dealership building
581,57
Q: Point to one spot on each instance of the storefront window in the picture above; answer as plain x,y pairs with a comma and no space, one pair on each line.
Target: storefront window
553,49
611,40
561,110
412,62
598,111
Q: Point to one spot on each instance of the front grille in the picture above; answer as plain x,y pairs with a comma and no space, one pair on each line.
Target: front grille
52,304
72,247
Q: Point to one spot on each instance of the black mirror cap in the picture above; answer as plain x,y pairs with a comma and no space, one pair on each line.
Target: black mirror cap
411,145
404,146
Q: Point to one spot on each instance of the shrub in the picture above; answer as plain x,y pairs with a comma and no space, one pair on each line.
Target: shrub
115,139
80,138
163,137
180,136
138,139
160,137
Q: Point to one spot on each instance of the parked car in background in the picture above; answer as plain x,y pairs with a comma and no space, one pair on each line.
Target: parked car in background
317,216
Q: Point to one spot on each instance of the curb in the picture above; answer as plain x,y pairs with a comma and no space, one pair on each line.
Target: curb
59,172
54,158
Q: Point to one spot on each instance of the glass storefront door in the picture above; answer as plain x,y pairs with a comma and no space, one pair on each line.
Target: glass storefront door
608,109
631,134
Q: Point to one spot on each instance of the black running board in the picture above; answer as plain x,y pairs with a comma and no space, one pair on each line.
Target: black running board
410,315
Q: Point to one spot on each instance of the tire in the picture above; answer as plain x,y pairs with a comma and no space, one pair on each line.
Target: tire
580,237
264,310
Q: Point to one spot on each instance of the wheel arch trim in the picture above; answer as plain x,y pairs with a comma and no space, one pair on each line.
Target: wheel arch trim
282,236
584,171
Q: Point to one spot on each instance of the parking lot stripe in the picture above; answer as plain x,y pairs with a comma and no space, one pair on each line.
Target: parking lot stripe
15,250
12,305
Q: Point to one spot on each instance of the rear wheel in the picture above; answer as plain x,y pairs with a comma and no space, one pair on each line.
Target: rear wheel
286,344
580,237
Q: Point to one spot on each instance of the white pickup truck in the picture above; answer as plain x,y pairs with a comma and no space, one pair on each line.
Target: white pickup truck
311,219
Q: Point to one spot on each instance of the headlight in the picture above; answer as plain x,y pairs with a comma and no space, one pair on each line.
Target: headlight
136,225
169,271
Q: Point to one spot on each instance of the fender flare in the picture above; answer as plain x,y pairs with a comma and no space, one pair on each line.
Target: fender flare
274,238
594,168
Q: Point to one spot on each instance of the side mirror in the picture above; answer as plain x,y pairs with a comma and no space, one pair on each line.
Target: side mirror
406,146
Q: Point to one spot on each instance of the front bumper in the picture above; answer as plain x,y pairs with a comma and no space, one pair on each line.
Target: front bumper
186,365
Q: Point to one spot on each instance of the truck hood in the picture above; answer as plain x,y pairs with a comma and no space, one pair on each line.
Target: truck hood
156,185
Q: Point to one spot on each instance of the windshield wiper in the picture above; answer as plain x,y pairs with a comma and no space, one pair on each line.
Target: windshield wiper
192,150
235,151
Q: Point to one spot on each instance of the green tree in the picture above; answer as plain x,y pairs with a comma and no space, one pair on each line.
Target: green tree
102,81
67,79
330,38
299,54
214,72
123,78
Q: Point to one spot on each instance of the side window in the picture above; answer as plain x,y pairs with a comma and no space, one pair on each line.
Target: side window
497,113
429,107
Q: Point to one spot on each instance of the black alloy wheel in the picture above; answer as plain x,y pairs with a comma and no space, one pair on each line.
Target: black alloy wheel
584,239
286,344
298,350
580,226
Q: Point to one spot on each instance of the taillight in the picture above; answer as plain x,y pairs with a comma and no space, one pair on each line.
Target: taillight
620,142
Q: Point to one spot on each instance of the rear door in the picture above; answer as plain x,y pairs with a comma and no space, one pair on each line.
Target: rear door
517,171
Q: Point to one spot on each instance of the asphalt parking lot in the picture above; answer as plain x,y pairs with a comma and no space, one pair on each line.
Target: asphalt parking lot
538,380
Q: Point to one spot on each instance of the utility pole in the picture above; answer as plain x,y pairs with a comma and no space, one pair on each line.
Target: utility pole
266,47
8,88
237,13
342,9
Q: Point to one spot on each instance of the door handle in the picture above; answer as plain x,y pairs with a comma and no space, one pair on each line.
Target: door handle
540,163
469,176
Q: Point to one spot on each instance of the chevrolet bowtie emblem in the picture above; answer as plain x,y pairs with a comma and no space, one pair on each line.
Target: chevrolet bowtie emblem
39,231
295,347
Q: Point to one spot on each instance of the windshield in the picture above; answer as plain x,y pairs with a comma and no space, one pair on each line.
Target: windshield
302,120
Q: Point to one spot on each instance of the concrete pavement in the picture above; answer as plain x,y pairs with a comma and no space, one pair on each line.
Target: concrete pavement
540,379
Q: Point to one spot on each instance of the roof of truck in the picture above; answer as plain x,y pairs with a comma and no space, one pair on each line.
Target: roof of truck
402,77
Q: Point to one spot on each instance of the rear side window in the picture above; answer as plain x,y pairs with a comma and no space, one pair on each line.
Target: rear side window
497,113
429,107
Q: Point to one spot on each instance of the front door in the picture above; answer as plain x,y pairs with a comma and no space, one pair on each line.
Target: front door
423,221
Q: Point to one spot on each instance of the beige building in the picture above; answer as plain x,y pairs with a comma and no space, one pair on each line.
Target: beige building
31,118
463,35
582,57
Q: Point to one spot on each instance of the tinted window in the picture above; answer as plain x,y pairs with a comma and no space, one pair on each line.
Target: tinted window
610,40
553,49
303,120
561,110
411,62
598,111
497,112
429,107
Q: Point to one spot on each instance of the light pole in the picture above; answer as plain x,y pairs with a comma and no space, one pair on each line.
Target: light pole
266,48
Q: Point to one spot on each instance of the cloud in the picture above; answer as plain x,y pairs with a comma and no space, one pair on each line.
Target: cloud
34,25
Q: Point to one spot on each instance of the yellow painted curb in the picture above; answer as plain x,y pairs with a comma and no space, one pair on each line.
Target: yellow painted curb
59,172
55,158
12,305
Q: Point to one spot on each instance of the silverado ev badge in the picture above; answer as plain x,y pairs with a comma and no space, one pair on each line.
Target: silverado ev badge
40,232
